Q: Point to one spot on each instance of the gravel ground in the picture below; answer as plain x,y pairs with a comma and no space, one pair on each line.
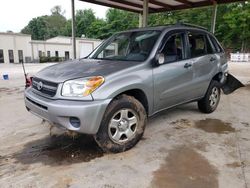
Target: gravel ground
181,147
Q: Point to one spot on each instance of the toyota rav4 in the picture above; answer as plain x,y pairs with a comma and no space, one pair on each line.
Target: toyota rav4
130,77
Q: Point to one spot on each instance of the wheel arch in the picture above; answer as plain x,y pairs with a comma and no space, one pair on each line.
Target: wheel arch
218,77
137,94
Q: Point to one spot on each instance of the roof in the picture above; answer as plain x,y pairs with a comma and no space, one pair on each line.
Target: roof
169,26
157,5
64,40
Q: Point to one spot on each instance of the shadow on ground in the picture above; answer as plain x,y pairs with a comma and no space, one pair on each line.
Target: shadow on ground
59,150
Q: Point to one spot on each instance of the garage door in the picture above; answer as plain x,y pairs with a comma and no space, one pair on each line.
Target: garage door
85,49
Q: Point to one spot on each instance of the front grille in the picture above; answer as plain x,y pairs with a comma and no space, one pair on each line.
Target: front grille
45,87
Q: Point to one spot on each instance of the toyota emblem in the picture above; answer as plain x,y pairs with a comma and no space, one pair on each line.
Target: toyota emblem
39,85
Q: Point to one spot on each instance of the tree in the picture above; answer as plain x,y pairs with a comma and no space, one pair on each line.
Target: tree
232,24
44,27
97,29
84,18
238,23
37,27
119,20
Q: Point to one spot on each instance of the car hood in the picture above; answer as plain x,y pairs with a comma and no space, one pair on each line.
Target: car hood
82,68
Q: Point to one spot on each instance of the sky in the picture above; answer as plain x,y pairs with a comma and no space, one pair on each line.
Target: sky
16,14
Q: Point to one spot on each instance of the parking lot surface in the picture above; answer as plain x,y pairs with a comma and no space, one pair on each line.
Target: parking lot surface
181,147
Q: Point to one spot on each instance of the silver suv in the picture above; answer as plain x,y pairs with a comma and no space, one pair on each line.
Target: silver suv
128,78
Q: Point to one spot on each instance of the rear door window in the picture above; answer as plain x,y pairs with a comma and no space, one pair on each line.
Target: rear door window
199,44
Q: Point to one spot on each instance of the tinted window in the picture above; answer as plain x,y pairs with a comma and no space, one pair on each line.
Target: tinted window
215,44
173,48
197,44
208,46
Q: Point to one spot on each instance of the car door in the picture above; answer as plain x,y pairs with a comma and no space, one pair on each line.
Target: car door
173,79
204,61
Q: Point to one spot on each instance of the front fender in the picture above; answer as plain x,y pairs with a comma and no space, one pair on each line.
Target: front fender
120,82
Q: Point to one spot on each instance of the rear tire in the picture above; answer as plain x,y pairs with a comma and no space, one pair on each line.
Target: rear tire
210,101
122,125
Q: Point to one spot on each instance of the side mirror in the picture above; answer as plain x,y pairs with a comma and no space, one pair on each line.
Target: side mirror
160,58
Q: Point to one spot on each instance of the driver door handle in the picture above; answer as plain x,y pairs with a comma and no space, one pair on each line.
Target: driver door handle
212,59
187,65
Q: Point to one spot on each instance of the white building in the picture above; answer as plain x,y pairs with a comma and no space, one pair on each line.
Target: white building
17,47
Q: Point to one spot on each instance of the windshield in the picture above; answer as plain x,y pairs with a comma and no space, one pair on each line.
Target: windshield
129,46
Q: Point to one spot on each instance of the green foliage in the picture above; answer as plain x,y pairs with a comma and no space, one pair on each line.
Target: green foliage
37,27
237,23
232,25
45,27
84,19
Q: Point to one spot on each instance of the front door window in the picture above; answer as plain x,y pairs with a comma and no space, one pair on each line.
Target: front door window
173,49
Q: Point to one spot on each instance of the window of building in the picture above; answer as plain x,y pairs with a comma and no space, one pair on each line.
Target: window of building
48,53
40,53
11,56
173,48
56,54
1,56
66,55
20,56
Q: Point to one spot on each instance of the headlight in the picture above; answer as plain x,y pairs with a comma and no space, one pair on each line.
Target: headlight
81,87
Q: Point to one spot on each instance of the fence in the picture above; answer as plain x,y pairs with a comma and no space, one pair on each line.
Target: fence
240,57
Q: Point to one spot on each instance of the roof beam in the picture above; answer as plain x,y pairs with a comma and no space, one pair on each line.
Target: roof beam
185,2
164,5
128,3
180,7
111,5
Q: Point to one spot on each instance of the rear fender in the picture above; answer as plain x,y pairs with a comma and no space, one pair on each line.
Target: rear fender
231,84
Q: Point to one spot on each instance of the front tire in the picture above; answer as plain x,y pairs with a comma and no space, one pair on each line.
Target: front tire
122,126
210,101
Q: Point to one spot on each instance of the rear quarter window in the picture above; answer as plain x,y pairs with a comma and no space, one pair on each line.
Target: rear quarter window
217,47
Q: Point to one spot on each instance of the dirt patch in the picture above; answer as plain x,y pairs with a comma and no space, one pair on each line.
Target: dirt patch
214,126
183,168
181,124
10,91
57,150
235,165
202,146
64,183
246,124
247,87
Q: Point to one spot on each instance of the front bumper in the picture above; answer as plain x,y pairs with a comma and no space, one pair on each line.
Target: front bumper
58,112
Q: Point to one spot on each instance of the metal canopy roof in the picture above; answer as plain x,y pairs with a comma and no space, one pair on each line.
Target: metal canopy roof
157,5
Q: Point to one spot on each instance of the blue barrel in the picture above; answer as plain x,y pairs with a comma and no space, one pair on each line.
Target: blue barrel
6,77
